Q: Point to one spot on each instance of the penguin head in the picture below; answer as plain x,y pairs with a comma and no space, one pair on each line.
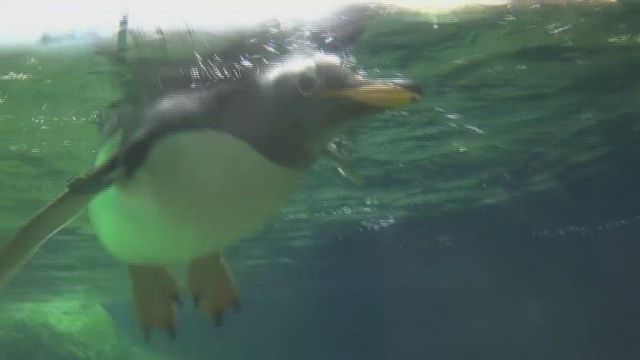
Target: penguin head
294,108
317,96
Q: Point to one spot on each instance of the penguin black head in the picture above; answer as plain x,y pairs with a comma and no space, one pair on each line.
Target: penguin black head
291,111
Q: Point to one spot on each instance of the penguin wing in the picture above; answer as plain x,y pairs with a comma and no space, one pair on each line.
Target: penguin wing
51,218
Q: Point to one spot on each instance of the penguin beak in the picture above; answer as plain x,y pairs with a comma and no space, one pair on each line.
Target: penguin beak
380,93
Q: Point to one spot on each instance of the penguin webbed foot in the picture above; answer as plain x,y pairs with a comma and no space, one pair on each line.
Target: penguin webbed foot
212,287
156,298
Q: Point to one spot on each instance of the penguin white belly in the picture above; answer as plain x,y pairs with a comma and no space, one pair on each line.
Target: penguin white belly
196,192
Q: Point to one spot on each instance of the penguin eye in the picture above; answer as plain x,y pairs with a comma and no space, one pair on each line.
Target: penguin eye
308,85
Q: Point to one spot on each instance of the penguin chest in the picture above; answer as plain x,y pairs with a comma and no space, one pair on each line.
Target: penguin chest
196,192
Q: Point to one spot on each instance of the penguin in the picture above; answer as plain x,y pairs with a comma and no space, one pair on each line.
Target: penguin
186,173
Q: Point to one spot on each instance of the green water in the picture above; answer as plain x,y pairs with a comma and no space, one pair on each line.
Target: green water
518,103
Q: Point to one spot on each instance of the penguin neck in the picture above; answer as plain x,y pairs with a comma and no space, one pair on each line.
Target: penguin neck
283,150
269,136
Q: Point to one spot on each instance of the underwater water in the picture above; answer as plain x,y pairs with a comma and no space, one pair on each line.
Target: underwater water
498,219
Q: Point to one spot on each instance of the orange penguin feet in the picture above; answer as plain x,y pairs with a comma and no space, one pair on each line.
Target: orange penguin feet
156,297
211,286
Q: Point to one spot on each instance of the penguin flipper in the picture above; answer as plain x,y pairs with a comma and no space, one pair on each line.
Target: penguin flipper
156,295
54,216
211,285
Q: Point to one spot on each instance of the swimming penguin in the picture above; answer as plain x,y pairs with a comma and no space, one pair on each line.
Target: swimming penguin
196,169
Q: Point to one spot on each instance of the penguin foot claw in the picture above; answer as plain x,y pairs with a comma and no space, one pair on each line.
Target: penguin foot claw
212,286
156,298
